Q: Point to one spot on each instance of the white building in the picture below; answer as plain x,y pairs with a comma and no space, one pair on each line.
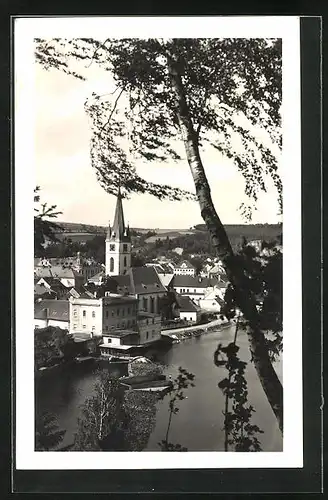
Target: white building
194,287
184,269
97,316
188,310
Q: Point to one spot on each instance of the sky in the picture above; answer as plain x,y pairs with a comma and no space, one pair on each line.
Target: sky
66,178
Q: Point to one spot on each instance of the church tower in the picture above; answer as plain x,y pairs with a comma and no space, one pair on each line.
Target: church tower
118,243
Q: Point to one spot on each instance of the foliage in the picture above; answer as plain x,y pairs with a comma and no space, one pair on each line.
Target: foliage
50,344
114,419
232,86
238,429
262,271
176,393
47,433
44,229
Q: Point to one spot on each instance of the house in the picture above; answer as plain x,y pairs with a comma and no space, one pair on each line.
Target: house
51,312
52,286
87,267
188,310
184,269
217,271
211,303
43,292
193,286
66,275
97,316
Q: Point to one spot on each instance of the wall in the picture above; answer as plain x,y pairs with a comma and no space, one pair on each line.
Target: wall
190,291
184,271
190,316
40,323
149,331
62,324
145,302
91,321
111,341
119,315
210,305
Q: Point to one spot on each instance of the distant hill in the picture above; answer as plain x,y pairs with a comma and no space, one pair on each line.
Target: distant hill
83,232
249,231
76,227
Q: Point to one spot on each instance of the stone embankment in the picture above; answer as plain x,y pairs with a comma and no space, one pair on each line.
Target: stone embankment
193,331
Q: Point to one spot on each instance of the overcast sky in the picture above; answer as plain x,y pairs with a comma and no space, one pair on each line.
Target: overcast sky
66,178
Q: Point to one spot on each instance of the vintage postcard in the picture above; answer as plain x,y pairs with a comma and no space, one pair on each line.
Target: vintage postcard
158,242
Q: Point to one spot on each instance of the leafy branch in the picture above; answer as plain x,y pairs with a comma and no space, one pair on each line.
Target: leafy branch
238,429
183,381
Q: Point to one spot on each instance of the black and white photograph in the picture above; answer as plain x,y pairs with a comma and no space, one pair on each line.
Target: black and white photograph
159,171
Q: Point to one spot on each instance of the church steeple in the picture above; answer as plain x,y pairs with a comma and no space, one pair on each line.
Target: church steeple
118,242
118,225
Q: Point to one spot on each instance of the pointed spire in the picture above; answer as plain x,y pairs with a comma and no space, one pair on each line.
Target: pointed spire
109,231
118,224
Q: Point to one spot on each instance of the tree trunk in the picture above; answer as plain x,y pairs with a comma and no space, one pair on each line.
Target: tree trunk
260,356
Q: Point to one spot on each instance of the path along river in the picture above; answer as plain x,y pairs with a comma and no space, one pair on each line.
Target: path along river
199,423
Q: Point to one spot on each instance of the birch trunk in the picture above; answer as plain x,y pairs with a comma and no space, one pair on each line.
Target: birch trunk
259,352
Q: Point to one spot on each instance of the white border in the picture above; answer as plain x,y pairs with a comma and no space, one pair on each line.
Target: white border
25,30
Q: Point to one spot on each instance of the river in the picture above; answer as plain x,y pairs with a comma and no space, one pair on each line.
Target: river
198,425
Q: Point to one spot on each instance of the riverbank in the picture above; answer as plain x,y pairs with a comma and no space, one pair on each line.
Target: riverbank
196,330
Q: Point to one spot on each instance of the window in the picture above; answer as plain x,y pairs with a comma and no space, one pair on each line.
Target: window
111,264
147,321
123,324
152,304
125,247
111,247
187,290
109,341
128,323
128,310
84,314
153,333
146,335
123,312
106,327
75,313
113,312
124,262
93,314
190,319
194,290
74,326
117,312
93,328
106,313
153,320
145,304
84,326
